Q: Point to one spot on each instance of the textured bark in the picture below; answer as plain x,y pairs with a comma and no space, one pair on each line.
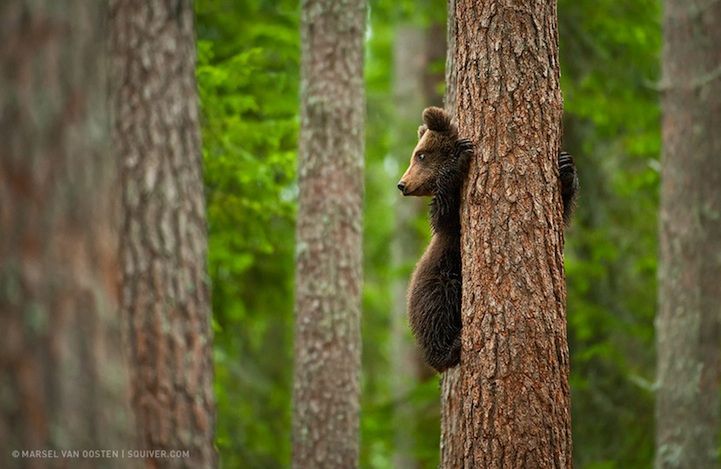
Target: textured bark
165,295
689,319
451,445
64,380
510,406
414,88
329,233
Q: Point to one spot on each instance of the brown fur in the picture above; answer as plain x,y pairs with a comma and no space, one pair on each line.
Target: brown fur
434,294
437,139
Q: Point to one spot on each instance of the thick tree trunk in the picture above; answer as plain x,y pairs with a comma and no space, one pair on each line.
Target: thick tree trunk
64,380
163,240
511,405
689,319
451,445
329,234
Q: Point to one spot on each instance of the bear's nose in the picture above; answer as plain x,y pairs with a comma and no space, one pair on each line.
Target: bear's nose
402,186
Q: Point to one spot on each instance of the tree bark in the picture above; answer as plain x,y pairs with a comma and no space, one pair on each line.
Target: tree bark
165,295
689,320
64,379
329,234
511,406
451,445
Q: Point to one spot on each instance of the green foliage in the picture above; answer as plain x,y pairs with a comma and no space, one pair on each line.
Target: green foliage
376,433
248,61
609,59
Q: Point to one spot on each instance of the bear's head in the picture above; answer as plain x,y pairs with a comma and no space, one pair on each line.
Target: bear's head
436,142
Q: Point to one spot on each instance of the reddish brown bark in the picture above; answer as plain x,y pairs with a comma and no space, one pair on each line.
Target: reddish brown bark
64,380
329,233
689,323
163,240
509,406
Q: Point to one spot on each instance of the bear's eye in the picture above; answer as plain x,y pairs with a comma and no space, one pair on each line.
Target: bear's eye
421,156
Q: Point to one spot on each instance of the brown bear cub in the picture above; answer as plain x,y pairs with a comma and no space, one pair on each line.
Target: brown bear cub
437,168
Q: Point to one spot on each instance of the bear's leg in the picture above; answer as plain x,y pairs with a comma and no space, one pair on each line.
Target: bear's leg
443,356
569,184
442,341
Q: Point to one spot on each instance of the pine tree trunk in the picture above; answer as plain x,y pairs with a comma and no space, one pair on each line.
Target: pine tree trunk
511,405
329,234
64,379
163,240
689,319
451,446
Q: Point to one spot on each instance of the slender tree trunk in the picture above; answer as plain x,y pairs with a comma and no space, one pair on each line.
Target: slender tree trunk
163,240
329,234
511,407
408,66
64,379
689,320
414,86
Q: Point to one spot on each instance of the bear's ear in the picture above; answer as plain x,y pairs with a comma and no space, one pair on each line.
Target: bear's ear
437,119
421,130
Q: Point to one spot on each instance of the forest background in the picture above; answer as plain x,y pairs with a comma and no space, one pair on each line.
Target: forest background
248,77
